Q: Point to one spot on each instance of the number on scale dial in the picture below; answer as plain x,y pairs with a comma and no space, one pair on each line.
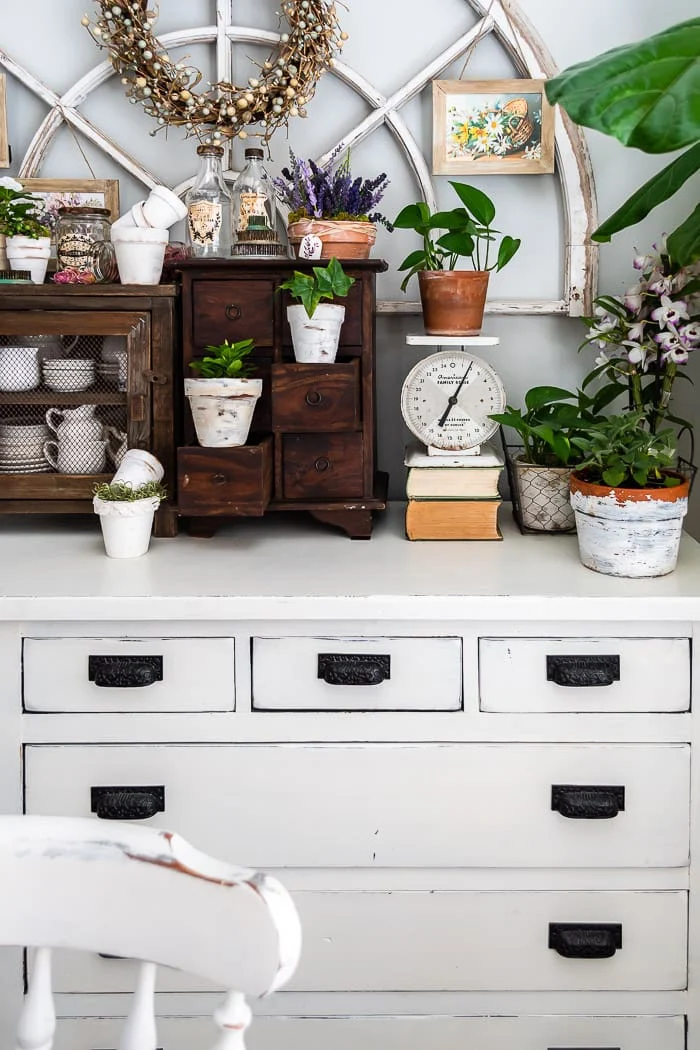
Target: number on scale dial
447,398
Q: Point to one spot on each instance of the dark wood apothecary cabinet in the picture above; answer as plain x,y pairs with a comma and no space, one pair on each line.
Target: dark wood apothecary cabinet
313,439
83,320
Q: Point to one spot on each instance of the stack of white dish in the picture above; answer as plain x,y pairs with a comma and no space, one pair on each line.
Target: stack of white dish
68,375
22,448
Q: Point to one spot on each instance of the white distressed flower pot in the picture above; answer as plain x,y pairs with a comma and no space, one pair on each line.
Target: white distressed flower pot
29,253
126,526
315,339
544,497
222,409
628,532
140,254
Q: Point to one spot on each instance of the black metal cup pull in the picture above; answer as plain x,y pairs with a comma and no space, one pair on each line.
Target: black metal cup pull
125,672
127,803
588,801
583,671
354,668
585,940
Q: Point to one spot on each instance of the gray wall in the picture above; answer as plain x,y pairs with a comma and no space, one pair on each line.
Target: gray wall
389,40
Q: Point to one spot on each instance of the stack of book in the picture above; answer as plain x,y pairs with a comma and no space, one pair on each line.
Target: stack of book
453,497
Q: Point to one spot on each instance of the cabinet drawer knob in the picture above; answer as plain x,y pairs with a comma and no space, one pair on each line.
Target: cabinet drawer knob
127,803
218,479
585,940
588,801
125,672
232,312
313,397
322,464
354,668
578,671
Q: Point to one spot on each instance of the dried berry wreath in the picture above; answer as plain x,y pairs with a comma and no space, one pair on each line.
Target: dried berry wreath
166,89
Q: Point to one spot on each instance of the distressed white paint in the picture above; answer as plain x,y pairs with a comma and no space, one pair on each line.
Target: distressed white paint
315,339
222,409
139,1031
37,1021
631,538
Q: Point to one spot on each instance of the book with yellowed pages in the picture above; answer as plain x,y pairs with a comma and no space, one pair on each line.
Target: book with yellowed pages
453,519
453,483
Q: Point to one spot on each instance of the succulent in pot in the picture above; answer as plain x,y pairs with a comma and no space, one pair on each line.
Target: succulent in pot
315,325
27,241
552,419
325,201
453,300
223,396
126,515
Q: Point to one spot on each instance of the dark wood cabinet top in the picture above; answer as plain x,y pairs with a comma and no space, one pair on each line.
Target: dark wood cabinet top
224,267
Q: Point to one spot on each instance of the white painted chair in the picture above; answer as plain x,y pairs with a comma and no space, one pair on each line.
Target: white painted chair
145,894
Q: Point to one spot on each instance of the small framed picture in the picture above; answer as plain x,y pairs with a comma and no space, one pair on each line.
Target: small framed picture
492,127
71,193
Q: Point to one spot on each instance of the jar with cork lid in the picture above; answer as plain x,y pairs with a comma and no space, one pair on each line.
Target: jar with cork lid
209,207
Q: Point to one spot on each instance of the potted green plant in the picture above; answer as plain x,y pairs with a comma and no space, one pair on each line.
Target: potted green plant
126,516
325,201
27,241
223,396
315,325
453,300
645,95
553,417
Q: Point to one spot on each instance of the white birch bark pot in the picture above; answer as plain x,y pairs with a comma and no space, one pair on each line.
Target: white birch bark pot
315,339
629,532
544,497
222,409
126,525
29,253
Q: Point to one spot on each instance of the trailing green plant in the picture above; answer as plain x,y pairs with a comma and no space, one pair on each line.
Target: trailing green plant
552,420
645,95
324,282
469,234
622,452
17,211
123,492
225,361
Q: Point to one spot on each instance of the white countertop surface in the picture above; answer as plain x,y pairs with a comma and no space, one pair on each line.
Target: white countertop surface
287,566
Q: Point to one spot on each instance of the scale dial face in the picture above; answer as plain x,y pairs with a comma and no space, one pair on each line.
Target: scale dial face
447,398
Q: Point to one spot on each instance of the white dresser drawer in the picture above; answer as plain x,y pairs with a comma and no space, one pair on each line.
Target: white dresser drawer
128,674
357,674
584,674
388,805
409,1033
365,941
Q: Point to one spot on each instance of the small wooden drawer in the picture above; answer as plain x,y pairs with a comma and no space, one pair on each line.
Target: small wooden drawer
225,481
128,674
357,674
584,674
316,397
322,465
351,330
235,309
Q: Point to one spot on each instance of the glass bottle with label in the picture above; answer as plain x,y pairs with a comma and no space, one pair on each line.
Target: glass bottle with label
254,212
209,207
81,233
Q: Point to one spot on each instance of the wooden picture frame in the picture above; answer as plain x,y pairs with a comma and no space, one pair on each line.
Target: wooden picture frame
4,141
492,127
102,193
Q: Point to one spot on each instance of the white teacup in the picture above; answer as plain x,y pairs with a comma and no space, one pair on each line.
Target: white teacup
19,368
81,430
81,413
76,456
137,468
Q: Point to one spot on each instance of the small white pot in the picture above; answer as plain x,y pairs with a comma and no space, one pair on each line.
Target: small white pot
140,254
29,253
544,497
138,467
163,208
126,527
628,532
222,409
315,339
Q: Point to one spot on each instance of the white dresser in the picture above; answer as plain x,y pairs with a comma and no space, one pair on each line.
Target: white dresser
470,763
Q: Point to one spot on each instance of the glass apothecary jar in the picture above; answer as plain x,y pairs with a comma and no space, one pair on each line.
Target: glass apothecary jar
80,233
255,227
209,207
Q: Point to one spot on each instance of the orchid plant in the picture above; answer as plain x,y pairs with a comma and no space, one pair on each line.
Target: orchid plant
18,211
646,335
328,191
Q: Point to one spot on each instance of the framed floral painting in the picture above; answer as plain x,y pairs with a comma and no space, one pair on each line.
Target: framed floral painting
492,127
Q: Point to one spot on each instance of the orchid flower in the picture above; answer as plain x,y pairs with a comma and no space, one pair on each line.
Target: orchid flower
690,333
634,297
670,313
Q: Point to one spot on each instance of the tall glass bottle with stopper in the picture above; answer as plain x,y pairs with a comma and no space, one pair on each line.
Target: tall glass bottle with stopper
254,214
209,207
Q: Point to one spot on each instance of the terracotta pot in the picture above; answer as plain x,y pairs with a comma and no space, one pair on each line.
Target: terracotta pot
629,532
453,300
340,239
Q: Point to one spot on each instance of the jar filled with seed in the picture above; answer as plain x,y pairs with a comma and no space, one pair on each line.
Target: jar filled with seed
80,233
